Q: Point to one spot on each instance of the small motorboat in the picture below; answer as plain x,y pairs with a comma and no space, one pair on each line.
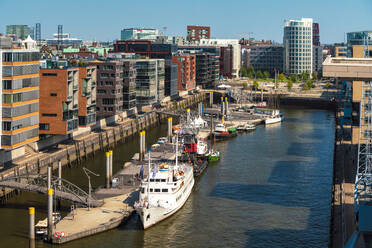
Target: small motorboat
214,156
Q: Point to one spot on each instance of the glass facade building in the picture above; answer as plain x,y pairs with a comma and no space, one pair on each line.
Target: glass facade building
298,46
139,34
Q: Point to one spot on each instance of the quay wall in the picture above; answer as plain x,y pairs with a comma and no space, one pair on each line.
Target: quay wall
80,148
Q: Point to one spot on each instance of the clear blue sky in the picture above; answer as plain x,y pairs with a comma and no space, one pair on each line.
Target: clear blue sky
103,20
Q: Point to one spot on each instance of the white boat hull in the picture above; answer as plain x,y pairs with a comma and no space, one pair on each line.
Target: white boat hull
151,216
273,120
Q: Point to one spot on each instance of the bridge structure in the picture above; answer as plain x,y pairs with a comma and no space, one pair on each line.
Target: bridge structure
63,189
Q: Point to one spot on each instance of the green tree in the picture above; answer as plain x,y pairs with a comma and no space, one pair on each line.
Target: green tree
259,74
293,78
289,85
250,71
328,85
308,85
255,85
243,72
266,74
304,76
245,85
282,77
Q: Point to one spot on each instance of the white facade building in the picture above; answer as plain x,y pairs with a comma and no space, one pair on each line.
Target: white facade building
298,46
237,54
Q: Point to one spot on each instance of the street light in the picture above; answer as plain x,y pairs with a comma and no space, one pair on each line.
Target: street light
87,172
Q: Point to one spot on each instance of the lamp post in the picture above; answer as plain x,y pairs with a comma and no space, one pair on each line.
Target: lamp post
87,172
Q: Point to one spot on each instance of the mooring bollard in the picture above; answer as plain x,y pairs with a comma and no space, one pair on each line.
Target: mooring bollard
31,212
107,170
50,214
211,99
143,144
111,159
49,177
188,114
140,150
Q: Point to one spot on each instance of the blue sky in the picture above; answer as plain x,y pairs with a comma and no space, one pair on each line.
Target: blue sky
103,20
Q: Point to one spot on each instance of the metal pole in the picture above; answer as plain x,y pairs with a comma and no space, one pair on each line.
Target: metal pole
31,212
49,177
211,99
59,174
227,107
50,214
141,146
107,170
188,115
111,167
223,108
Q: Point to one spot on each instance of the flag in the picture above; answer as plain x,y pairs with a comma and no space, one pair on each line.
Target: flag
141,172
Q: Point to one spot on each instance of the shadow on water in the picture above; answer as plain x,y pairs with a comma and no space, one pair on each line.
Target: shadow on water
304,183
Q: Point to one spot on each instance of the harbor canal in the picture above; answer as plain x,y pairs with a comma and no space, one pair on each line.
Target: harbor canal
272,188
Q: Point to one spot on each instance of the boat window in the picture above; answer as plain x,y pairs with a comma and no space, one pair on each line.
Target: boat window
143,190
151,190
152,180
163,180
164,190
157,180
157,190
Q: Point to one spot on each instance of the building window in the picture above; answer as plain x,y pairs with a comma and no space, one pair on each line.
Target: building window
7,84
44,126
50,74
7,125
49,115
53,94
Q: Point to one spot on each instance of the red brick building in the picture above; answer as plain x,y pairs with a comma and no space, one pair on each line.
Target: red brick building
186,71
195,33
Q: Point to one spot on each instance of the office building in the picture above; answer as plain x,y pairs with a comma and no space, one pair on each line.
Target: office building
265,58
150,76
186,71
19,97
139,34
298,46
21,31
195,33
316,35
317,59
359,44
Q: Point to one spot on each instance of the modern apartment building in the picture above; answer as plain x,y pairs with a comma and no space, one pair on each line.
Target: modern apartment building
59,99
148,49
87,95
186,71
22,31
316,35
298,46
207,69
115,86
317,59
139,34
150,76
19,98
195,33
266,58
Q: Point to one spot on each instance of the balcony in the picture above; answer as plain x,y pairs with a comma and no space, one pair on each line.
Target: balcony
72,124
70,98
94,84
75,87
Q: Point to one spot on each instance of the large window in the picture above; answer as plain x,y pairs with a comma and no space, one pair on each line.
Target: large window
12,98
7,84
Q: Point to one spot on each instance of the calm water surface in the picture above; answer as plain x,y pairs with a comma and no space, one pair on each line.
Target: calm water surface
272,188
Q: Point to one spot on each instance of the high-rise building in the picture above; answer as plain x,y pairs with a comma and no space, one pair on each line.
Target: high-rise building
38,32
22,31
19,98
298,46
195,33
139,34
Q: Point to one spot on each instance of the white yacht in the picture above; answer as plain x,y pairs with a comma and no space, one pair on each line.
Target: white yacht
202,147
164,191
220,128
275,117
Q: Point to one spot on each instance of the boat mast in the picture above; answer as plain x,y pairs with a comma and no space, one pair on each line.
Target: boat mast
177,150
148,178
